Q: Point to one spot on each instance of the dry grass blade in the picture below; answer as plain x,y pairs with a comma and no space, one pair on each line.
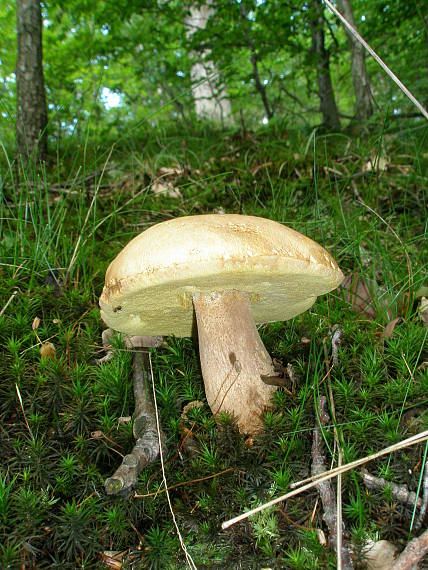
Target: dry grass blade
8,302
311,482
189,559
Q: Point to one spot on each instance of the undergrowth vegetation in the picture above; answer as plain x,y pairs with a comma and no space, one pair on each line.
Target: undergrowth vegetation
64,420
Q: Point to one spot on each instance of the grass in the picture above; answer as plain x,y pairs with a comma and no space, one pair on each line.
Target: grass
58,232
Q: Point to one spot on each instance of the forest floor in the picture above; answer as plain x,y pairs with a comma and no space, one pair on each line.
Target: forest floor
64,419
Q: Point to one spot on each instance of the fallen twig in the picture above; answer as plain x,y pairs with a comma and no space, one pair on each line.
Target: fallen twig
414,551
424,505
399,492
336,339
146,448
326,490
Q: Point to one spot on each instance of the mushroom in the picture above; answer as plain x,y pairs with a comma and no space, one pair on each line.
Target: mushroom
230,272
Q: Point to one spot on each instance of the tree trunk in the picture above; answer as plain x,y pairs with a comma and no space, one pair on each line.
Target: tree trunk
328,105
31,118
360,79
209,94
254,62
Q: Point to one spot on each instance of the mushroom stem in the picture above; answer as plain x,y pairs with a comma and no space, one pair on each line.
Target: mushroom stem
233,358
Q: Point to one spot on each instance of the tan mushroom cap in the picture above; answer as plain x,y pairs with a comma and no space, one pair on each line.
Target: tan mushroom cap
149,286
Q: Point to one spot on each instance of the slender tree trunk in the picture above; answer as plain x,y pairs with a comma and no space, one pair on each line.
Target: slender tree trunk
360,79
328,106
254,62
210,96
32,115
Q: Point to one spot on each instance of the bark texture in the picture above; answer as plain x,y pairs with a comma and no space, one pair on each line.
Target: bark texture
328,107
233,358
413,553
146,449
360,79
325,488
31,100
209,93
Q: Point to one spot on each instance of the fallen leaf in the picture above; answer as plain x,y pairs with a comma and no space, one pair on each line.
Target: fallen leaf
98,434
376,163
167,171
254,169
47,350
113,559
361,294
389,329
422,292
166,188
321,537
380,555
423,311
124,419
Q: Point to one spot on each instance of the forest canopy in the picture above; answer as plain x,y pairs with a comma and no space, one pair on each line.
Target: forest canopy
108,66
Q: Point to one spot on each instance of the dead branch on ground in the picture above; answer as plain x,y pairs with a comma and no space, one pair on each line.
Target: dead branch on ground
413,553
325,488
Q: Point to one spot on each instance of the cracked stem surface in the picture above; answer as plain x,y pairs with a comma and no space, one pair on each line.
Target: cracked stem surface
233,358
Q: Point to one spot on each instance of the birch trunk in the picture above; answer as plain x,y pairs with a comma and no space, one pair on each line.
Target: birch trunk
209,93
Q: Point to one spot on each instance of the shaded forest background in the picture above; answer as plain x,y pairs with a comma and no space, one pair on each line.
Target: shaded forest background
109,67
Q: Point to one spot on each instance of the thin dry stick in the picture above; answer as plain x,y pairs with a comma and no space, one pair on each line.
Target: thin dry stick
146,448
418,438
331,514
414,551
399,492
189,559
335,341
377,58
183,483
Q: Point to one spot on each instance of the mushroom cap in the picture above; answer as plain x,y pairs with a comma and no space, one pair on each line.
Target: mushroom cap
149,286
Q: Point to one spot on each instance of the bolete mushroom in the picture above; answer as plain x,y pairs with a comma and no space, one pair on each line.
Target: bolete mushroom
230,272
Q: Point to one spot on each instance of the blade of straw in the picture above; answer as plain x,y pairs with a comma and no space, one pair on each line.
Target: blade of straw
418,438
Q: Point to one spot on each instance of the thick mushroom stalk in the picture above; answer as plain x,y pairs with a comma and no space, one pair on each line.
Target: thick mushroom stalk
233,358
